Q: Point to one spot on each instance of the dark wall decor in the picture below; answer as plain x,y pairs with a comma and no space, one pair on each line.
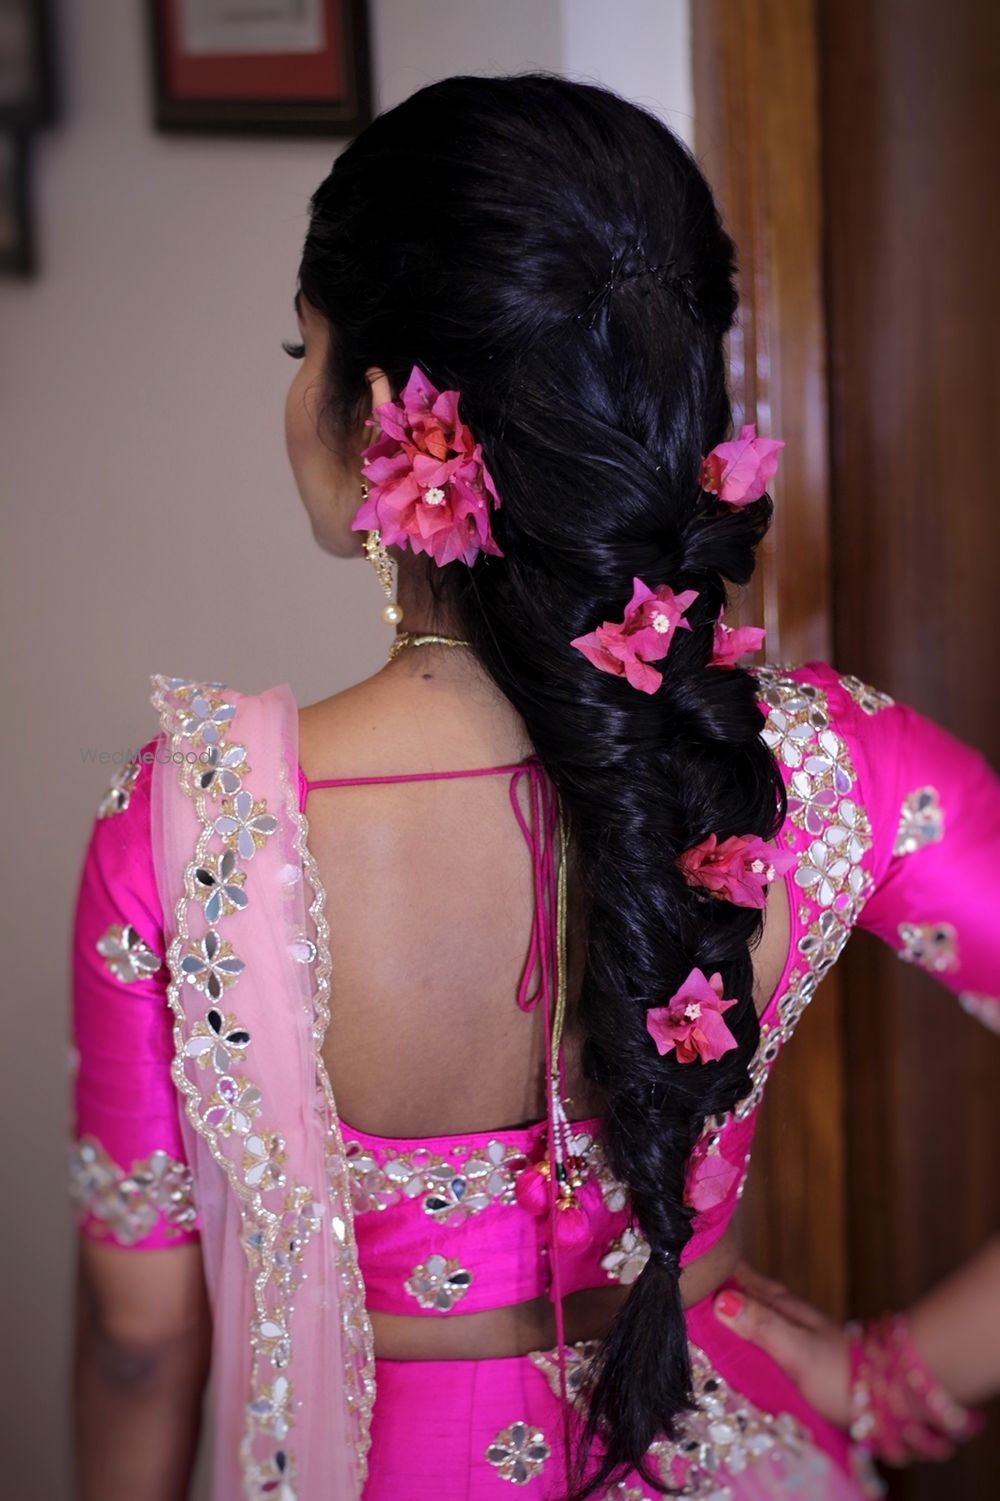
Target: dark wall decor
16,239
27,102
288,67
27,94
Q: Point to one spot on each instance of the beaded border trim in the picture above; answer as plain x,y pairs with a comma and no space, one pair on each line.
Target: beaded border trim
223,1110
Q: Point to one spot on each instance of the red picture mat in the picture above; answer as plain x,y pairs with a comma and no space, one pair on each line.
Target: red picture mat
282,76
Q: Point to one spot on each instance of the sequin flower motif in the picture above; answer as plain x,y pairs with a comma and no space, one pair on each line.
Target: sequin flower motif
626,648
739,472
518,1453
243,824
217,1040
739,869
439,1283
428,487
126,955
210,965
116,799
690,1025
626,1256
729,643
218,882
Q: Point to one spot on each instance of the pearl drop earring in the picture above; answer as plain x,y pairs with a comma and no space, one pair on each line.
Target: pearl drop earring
378,557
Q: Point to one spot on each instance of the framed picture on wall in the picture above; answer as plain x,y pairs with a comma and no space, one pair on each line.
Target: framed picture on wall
16,242
26,73
297,67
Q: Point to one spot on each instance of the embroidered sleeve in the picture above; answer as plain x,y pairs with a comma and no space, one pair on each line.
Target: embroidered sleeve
934,803
129,1182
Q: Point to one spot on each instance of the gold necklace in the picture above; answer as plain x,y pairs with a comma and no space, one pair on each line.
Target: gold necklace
407,639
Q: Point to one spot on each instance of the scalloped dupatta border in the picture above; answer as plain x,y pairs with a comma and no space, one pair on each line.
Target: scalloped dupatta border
248,953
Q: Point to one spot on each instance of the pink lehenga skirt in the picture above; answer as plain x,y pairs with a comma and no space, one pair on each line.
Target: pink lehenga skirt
468,1430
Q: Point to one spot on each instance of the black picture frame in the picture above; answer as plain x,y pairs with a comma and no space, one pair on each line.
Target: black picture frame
293,116
27,71
17,241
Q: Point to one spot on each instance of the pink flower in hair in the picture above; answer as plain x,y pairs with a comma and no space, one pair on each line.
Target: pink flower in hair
625,648
731,643
691,1023
428,487
739,869
738,472
709,1178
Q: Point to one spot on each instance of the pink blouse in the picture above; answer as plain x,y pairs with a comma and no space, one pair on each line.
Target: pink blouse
896,828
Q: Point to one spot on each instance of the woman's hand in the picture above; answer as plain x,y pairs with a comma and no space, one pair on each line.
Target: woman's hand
809,1347
955,1328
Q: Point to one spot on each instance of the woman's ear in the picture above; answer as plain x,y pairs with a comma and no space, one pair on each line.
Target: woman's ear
378,384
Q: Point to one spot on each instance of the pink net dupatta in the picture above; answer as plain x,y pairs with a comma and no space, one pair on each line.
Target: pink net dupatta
292,1366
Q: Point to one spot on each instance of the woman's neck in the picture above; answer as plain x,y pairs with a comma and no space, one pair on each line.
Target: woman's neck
451,668
422,612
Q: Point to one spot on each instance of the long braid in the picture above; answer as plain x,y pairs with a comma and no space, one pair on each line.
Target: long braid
595,385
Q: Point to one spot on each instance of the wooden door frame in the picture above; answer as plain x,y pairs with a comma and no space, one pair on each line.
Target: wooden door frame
834,135
758,138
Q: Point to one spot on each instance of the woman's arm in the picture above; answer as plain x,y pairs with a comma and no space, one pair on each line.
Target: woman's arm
143,1342
143,1332
955,1327
934,807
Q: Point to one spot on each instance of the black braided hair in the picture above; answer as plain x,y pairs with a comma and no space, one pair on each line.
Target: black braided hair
553,253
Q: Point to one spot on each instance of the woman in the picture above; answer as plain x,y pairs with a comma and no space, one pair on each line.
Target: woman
569,876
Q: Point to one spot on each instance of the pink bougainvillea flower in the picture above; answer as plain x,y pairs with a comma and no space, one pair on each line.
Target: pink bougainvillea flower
428,487
709,1179
731,643
625,648
739,869
738,472
691,1023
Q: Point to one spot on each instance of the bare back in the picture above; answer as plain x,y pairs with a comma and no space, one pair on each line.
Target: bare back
430,901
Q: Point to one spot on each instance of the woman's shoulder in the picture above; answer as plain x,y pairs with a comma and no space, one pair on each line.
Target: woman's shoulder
843,744
816,714
215,724
836,740
194,726
815,702
118,920
119,833
833,691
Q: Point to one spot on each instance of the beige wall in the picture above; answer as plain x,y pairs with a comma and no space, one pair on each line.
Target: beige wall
150,522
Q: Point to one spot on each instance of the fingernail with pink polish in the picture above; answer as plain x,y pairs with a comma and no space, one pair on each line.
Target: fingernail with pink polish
728,1304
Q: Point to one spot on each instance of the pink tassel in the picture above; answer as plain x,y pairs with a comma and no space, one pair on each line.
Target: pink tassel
532,1191
573,1228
